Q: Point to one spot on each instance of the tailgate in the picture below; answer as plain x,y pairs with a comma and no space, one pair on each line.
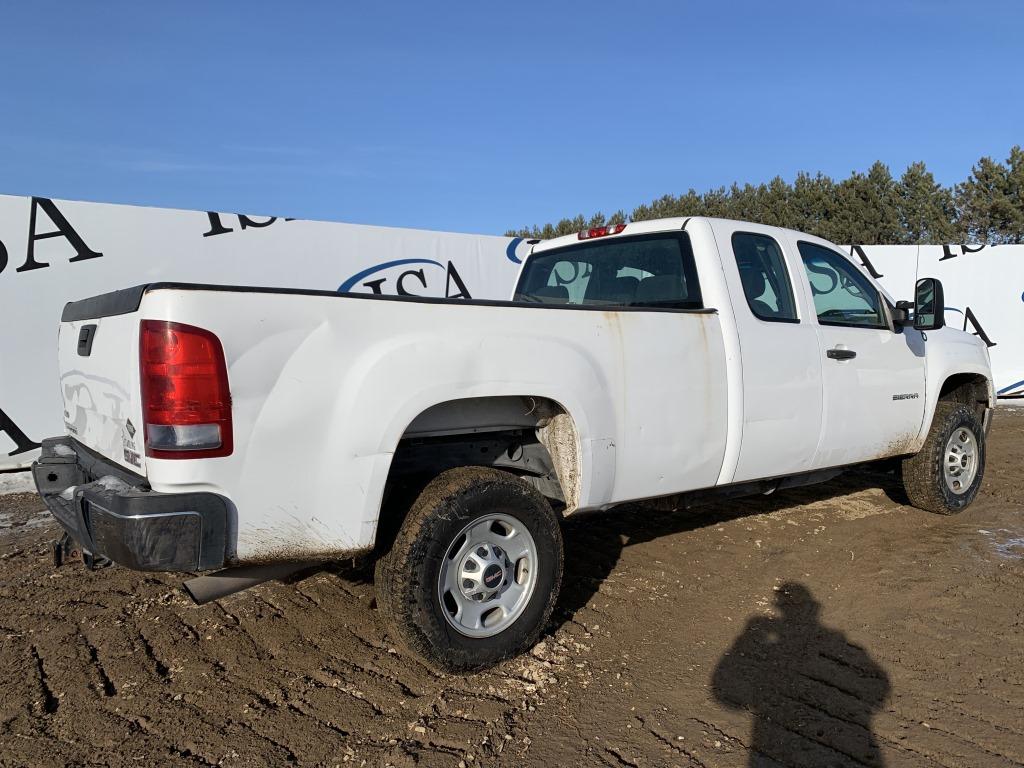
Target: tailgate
99,381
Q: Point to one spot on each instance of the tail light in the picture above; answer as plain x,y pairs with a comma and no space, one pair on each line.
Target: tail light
186,403
611,229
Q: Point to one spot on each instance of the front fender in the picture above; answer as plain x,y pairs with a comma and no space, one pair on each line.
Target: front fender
951,352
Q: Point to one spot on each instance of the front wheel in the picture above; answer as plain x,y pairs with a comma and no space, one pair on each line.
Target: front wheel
944,477
474,572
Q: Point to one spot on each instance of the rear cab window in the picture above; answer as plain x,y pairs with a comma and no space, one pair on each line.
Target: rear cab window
843,295
655,270
764,277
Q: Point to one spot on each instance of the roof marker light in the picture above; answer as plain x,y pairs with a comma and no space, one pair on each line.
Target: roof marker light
611,229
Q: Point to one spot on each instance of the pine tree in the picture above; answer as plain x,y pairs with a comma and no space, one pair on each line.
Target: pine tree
690,204
985,212
777,204
665,207
926,211
1014,192
743,203
715,202
814,204
868,209
863,209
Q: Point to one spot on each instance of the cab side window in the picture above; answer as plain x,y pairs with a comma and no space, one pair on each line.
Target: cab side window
842,294
765,277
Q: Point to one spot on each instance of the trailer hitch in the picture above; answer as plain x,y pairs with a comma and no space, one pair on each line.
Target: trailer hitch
64,547
61,549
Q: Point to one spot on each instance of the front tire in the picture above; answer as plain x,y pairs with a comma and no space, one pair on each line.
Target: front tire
944,477
474,572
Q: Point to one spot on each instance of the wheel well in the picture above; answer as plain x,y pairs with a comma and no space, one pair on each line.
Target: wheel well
529,436
969,389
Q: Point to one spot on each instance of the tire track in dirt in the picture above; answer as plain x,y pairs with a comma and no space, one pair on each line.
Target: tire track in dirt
116,668
113,666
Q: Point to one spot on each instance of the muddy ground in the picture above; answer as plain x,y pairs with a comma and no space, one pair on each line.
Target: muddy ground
827,626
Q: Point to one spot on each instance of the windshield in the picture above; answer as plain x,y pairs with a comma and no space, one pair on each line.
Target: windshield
642,271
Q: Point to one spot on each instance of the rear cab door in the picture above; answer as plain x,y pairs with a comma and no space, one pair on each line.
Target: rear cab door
779,351
873,371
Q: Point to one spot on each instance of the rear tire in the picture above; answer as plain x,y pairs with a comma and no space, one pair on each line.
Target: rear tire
944,477
474,571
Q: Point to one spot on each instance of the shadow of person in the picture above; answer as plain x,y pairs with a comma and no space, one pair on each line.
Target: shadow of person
812,692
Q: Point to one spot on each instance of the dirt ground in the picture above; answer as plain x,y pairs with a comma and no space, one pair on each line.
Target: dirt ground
826,626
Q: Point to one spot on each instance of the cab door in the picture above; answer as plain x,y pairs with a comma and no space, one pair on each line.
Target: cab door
779,352
873,374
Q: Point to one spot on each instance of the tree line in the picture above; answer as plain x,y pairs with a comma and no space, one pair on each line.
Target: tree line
872,208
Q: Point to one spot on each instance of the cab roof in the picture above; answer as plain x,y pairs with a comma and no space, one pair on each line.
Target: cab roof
648,226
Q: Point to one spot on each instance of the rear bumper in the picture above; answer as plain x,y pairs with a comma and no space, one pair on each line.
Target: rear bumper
113,513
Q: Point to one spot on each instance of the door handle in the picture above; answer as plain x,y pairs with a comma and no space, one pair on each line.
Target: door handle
841,354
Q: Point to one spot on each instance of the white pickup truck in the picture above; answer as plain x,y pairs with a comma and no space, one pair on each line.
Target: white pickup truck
215,426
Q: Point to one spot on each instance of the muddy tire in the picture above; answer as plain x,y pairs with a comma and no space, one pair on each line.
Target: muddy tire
474,571
944,477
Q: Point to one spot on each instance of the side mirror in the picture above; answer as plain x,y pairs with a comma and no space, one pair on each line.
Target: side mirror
929,304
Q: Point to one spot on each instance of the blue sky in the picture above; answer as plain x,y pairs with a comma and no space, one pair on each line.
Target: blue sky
479,117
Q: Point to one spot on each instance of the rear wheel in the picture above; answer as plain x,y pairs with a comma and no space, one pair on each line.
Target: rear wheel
474,572
944,477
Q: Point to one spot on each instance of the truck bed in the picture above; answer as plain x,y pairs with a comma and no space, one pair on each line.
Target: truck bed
325,386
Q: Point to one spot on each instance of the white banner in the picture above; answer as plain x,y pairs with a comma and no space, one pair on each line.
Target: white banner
984,287
55,251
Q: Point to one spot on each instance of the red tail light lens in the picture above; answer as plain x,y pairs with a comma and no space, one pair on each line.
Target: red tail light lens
186,402
611,229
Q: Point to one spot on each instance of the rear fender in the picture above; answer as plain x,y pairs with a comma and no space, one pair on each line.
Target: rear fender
394,382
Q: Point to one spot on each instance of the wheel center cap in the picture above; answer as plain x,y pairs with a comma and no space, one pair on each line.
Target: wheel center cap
493,575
